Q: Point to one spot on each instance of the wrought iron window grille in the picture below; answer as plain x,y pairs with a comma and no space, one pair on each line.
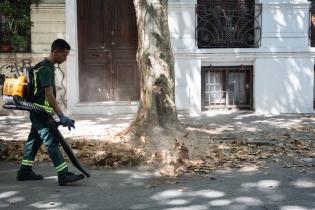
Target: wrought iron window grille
221,24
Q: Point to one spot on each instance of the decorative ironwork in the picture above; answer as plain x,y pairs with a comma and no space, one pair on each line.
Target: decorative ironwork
222,25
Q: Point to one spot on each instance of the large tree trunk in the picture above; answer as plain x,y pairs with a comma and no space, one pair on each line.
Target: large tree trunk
156,66
158,132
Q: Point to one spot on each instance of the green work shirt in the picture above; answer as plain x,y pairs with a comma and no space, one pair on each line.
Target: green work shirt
43,76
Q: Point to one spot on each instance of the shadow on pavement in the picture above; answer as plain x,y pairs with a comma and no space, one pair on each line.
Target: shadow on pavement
130,188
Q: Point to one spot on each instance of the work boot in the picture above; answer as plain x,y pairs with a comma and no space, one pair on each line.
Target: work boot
27,174
68,177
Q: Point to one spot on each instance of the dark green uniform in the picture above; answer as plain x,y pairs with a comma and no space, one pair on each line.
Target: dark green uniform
43,76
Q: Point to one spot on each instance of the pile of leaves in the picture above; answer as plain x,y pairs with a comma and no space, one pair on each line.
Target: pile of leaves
196,151
241,154
91,152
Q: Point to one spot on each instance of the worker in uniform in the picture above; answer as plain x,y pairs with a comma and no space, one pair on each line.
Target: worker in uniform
44,89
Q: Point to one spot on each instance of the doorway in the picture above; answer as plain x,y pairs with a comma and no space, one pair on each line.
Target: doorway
107,41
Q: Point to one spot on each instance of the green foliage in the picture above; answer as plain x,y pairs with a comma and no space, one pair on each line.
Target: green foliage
17,28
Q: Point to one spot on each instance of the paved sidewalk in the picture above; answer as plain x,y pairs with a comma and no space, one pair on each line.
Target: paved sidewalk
87,126
275,188
228,123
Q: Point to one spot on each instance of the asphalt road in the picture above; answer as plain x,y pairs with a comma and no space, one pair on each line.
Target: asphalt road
272,188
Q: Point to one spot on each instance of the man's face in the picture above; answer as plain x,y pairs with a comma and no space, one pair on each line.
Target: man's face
60,55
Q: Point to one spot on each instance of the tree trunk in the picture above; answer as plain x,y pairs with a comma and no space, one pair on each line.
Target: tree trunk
156,66
156,123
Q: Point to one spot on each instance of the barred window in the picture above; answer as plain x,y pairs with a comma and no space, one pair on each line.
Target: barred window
228,23
227,87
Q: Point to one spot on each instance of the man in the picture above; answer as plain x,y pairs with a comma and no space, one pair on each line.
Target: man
45,96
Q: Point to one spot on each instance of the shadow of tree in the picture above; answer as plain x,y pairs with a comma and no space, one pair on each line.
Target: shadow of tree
252,126
130,188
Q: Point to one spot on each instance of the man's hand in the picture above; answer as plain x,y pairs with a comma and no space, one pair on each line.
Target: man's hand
66,121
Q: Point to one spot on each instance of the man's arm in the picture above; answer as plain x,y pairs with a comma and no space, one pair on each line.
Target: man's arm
52,100
64,120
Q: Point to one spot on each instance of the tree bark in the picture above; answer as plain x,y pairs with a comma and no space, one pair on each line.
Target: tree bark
156,66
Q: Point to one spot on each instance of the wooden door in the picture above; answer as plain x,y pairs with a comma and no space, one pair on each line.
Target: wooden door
107,36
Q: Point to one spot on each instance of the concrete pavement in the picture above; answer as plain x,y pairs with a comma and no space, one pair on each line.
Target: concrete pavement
100,127
136,188
15,127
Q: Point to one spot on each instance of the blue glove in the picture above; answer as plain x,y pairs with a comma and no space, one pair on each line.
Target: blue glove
66,121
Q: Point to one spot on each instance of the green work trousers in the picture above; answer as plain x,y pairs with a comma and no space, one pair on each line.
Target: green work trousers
41,133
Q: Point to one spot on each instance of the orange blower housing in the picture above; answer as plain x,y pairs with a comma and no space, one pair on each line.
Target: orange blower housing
15,86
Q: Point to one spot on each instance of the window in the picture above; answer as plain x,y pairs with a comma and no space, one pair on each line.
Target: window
228,24
227,87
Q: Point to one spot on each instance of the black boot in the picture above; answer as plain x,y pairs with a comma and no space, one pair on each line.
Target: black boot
27,174
68,177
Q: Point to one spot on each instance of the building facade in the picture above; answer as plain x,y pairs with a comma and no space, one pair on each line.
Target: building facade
271,73
230,54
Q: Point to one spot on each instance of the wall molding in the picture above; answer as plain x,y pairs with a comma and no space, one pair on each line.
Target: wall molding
228,55
176,6
286,6
49,7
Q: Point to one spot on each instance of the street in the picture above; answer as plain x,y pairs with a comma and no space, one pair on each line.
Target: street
274,187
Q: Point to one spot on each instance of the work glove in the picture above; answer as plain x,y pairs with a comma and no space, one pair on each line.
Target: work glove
66,121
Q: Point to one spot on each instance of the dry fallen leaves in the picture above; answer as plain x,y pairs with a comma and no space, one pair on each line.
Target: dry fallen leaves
219,151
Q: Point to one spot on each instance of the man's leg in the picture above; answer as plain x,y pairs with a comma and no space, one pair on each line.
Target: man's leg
30,150
52,147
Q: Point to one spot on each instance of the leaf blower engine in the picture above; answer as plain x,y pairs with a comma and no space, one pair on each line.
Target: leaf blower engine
18,93
15,87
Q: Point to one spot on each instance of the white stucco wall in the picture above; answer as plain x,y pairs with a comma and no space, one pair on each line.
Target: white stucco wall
181,20
187,90
283,65
283,85
285,23
284,77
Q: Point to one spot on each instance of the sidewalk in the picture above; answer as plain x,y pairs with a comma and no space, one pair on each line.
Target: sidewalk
276,188
86,126
224,123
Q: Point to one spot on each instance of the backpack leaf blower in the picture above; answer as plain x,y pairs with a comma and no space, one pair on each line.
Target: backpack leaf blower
16,93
